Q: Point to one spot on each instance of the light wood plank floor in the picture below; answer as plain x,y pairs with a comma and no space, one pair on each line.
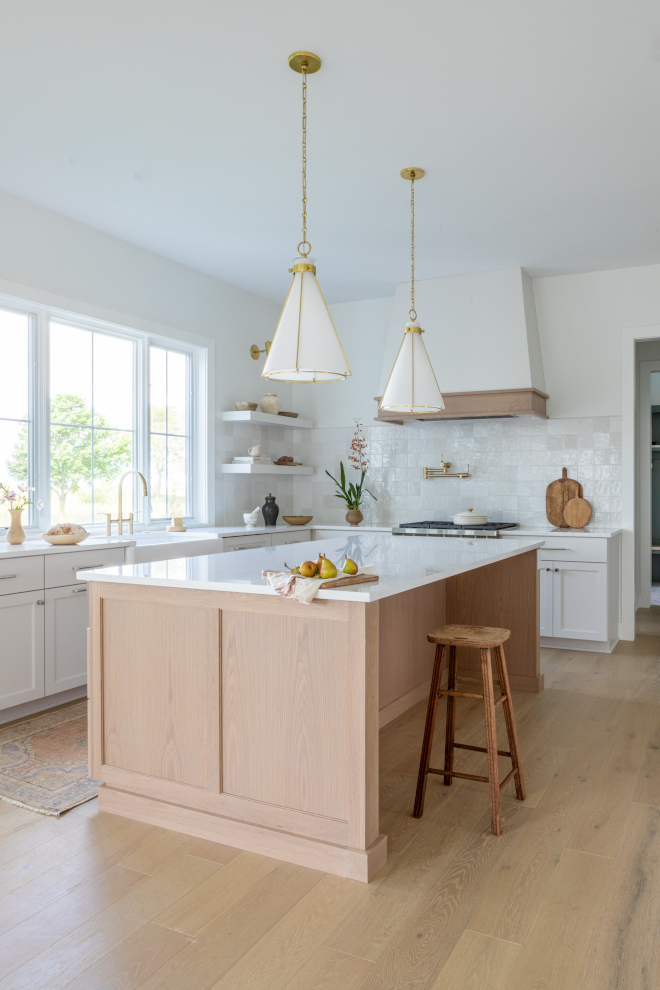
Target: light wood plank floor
567,899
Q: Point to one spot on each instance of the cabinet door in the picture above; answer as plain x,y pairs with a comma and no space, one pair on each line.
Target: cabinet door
66,624
579,595
546,575
295,536
21,648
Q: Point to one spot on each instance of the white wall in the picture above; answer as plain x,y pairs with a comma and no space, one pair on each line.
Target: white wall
581,319
54,254
48,258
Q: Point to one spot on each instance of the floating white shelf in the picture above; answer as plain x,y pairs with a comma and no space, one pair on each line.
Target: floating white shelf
266,419
266,469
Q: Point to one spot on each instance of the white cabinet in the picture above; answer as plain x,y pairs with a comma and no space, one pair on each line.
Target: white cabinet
43,632
580,592
249,541
21,648
65,655
579,601
295,536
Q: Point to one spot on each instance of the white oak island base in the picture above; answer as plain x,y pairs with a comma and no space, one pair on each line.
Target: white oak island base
253,720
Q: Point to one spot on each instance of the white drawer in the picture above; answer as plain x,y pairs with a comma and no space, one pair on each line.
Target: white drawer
245,542
21,574
61,568
577,548
296,536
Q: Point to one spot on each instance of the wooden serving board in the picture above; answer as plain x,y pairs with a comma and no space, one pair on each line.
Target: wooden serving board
577,512
557,494
343,582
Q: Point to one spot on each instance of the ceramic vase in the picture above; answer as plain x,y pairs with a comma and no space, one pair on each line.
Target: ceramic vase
271,511
270,403
16,533
354,517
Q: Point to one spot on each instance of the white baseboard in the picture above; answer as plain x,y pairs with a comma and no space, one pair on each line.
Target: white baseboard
42,704
402,704
585,645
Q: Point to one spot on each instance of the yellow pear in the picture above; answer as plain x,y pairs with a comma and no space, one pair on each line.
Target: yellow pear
308,569
328,569
350,567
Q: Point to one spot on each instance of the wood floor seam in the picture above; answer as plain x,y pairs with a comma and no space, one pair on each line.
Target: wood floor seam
583,852
345,953
496,937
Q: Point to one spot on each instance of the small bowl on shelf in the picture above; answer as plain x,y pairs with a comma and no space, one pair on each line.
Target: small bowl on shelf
297,520
65,539
246,406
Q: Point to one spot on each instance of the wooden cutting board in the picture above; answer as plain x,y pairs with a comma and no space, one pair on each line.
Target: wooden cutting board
577,512
557,494
349,579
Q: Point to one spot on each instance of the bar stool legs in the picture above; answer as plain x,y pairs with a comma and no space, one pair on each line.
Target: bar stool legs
446,638
427,743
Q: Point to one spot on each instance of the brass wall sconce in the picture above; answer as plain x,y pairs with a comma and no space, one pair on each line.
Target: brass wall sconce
441,472
255,352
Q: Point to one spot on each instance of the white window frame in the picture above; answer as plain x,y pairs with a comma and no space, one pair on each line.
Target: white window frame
200,351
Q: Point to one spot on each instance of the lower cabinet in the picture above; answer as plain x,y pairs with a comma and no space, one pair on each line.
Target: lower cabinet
21,648
65,620
574,602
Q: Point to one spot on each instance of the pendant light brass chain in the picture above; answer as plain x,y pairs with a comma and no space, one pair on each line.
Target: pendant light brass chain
304,243
412,313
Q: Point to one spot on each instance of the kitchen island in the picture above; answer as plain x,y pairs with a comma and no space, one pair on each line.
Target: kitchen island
223,711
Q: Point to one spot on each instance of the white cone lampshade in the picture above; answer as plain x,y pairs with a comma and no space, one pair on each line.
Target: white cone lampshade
412,385
306,347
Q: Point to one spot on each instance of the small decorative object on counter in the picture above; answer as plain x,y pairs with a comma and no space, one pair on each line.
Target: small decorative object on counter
16,498
353,495
270,403
177,525
297,520
271,510
251,518
65,534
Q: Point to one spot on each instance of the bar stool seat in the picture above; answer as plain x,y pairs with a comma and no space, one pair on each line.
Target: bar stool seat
488,640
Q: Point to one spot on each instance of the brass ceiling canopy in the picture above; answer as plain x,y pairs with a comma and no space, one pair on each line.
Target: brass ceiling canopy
412,173
304,61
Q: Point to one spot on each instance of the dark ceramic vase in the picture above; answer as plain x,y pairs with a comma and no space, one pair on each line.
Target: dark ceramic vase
271,510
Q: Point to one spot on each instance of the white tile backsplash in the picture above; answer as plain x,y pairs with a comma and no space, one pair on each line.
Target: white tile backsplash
511,463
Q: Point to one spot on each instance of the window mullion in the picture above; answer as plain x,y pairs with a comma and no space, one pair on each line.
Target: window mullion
40,418
141,421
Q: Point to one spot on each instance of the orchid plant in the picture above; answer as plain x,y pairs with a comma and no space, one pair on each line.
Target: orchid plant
352,494
17,497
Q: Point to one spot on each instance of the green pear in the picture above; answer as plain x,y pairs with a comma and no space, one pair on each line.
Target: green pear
350,567
328,569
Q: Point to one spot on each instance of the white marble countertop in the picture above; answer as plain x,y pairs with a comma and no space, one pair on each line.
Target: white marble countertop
33,547
402,563
592,531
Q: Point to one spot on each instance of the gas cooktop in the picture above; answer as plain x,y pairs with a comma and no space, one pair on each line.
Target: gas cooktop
445,527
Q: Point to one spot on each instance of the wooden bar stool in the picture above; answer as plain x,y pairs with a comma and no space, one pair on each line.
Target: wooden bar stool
487,639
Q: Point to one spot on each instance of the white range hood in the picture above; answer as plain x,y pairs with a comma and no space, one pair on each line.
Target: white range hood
482,338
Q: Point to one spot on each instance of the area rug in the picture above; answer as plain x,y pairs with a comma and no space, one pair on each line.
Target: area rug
43,762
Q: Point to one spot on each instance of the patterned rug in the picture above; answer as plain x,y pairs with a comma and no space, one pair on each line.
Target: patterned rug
43,762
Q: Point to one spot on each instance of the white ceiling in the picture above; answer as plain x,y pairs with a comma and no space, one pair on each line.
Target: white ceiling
175,124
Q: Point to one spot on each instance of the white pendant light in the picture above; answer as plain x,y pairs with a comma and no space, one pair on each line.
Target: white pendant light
412,386
306,346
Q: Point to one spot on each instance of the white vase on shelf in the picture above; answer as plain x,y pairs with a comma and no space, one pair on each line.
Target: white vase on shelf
270,403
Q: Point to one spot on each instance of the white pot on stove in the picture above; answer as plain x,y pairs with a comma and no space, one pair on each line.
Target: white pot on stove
469,518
